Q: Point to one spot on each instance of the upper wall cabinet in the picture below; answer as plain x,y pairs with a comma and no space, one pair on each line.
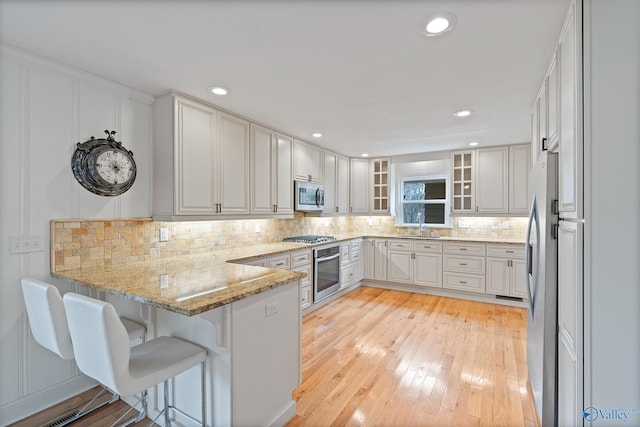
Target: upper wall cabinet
307,161
201,160
462,171
360,189
271,172
380,186
492,181
336,183
570,152
519,199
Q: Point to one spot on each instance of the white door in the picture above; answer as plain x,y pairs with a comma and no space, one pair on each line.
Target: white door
427,269
284,174
399,266
262,164
233,164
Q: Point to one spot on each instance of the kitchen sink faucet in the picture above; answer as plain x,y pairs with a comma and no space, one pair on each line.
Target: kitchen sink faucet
420,224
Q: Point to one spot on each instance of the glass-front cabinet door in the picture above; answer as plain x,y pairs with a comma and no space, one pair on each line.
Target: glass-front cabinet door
462,170
380,187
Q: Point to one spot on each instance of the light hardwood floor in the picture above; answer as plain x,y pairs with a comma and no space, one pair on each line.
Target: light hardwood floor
389,358
378,357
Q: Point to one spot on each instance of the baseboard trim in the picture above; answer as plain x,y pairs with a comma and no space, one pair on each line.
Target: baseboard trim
285,416
43,399
533,404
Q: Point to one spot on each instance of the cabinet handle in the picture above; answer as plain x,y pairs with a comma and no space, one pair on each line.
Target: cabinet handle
509,252
462,282
413,256
544,144
463,263
427,247
278,264
337,209
463,249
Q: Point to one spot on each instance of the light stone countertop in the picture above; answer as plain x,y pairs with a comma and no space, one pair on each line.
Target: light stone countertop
193,284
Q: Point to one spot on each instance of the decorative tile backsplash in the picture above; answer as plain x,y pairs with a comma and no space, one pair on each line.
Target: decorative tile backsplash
89,243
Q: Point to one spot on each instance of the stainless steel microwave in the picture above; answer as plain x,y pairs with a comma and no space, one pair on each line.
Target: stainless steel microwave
309,197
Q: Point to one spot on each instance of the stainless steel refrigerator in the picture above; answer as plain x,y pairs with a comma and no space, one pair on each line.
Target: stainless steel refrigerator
542,269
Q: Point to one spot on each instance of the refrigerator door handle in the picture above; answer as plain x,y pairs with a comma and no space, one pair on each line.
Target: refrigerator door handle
531,272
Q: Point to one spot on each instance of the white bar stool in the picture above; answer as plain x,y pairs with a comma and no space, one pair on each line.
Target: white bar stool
48,322
101,349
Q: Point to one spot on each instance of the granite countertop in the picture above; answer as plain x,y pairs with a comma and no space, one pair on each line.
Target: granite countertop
193,284
188,284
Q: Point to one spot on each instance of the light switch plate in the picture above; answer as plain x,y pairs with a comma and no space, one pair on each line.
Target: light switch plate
25,244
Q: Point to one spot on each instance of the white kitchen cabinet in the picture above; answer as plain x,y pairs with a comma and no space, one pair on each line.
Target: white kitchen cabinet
492,181
519,162
307,161
570,151
271,172
379,186
416,263
400,261
505,271
336,183
330,172
380,260
570,325
553,105
301,262
342,185
462,173
535,132
351,270
463,266
194,146
233,164
369,260
359,195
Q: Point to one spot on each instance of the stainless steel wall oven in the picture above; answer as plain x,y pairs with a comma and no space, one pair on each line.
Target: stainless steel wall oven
326,271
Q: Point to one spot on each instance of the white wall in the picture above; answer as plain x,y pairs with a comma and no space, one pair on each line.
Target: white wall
45,109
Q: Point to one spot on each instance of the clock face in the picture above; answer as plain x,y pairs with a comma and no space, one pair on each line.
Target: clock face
114,166
104,166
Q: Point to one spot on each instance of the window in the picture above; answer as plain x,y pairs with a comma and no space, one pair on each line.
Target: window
427,196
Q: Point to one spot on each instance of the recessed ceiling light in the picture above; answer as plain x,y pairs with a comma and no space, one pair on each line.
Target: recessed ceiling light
316,135
439,24
462,113
474,143
218,90
365,155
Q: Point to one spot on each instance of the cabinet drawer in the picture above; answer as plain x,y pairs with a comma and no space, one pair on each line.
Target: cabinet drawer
463,282
300,258
282,262
464,248
259,262
305,297
355,245
355,256
473,265
506,251
400,245
430,247
348,275
306,269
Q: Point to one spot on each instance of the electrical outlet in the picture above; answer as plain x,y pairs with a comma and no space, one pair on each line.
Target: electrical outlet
256,227
505,225
164,234
271,308
164,281
463,224
25,244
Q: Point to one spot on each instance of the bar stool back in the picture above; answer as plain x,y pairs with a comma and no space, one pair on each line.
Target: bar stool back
101,350
48,322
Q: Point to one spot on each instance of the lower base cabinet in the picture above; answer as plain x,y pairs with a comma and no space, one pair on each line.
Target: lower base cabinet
506,271
415,263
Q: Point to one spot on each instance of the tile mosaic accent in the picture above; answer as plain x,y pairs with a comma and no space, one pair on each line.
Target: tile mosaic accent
85,243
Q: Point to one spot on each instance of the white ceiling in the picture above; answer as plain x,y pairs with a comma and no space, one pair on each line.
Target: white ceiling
358,71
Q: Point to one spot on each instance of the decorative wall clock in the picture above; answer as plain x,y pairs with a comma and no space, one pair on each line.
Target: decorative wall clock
104,166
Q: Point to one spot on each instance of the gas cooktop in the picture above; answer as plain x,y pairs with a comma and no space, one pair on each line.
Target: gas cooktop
309,239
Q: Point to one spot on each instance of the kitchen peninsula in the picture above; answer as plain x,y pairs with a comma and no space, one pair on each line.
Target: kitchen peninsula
248,319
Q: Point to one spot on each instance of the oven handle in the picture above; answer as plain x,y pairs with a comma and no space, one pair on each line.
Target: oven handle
328,258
